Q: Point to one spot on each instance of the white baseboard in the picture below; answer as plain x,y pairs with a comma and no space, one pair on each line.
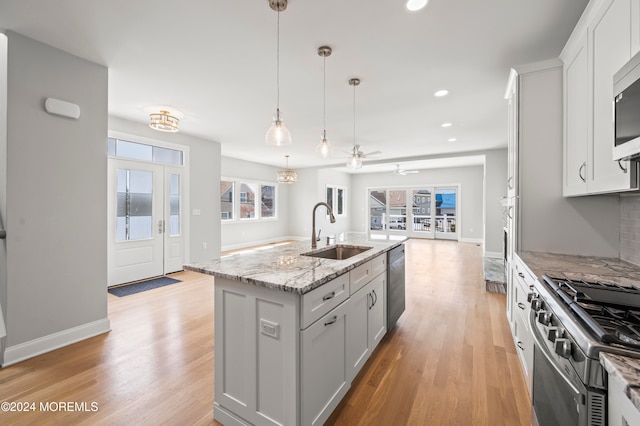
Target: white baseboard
472,240
260,242
493,254
23,351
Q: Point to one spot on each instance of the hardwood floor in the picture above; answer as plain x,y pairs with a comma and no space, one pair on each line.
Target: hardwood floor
450,359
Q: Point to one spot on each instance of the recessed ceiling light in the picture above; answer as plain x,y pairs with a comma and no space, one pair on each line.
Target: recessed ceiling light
452,139
414,5
446,124
441,93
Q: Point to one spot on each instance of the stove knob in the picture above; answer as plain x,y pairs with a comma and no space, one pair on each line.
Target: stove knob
553,333
563,348
536,304
544,317
531,296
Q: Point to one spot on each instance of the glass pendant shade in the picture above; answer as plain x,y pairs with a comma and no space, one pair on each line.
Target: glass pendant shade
324,148
278,134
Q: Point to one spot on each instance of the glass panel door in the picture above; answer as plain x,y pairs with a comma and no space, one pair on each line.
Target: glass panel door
446,213
397,210
377,213
422,223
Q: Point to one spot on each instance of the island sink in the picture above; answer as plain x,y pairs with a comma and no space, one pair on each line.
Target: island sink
338,252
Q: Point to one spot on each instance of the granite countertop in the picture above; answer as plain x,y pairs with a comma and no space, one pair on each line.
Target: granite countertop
587,268
283,268
625,372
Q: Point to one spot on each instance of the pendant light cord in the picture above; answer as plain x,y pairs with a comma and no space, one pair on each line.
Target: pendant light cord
324,96
354,120
278,69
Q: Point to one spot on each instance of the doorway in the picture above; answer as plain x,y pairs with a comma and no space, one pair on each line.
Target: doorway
419,212
146,221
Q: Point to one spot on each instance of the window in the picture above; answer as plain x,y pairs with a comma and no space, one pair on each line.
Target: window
140,151
226,199
336,198
254,200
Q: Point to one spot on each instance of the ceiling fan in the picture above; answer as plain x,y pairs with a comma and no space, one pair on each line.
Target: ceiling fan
356,153
401,172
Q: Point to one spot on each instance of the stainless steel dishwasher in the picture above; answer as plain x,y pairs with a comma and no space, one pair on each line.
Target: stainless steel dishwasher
395,285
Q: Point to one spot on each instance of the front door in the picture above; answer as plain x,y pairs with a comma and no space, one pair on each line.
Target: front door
145,220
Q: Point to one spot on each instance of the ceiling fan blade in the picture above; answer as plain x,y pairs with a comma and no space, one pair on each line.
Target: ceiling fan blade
371,153
410,171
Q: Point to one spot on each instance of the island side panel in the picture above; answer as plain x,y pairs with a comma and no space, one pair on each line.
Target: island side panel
256,354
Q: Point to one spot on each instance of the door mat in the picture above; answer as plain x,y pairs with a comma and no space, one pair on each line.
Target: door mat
139,287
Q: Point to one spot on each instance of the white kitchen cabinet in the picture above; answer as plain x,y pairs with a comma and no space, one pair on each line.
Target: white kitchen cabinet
522,334
576,113
282,358
367,323
600,45
323,365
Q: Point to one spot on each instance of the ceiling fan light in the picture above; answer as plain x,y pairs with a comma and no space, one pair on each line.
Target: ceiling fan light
278,134
414,5
354,163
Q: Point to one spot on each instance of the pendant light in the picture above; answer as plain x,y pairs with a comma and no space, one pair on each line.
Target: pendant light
278,135
324,148
355,162
287,175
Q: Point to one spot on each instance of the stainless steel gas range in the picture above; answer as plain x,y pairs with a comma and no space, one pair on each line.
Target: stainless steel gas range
572,322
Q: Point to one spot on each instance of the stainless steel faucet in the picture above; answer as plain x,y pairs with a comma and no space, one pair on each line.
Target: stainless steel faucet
332,218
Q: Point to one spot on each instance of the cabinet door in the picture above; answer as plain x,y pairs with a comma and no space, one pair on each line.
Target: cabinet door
378,310
358,348
323,365
524,344
576,118
611,48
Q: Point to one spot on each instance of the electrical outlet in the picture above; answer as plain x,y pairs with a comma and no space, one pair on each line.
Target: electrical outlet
269,328
196,212
204,245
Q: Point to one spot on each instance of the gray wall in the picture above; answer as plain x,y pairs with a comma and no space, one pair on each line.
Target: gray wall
470,198
55,194
243,233
630,229
204,177
495,188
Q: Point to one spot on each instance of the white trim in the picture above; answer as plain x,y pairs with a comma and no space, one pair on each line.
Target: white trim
472,240
41,345
261,242
493,254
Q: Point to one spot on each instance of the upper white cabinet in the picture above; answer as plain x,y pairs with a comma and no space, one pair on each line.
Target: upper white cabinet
602,42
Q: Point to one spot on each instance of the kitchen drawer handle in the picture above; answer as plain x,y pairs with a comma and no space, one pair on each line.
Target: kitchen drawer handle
370,299
376,298
510,182
331,321
584,165
329,296
522,306
520,274
520,346
624,169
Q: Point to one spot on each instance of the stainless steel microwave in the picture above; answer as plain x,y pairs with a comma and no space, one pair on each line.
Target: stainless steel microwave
626,95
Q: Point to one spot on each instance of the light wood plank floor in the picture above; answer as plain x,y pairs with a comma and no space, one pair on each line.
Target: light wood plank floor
449,361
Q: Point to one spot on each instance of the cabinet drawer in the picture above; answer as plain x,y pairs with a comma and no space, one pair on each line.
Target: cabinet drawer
378,264
524,273
318,302
360,276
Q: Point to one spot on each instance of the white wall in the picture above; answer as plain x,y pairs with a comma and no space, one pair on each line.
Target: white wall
55,201
470,197
3,188
204,187
245,233
311,189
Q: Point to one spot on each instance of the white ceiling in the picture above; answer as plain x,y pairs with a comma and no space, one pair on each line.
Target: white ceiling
216,62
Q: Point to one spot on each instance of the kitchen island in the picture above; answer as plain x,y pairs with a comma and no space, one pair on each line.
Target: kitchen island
293,330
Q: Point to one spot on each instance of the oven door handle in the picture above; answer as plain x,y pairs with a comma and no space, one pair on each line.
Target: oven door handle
545,351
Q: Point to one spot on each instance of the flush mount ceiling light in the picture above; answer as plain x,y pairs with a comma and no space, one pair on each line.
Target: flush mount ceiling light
163,121
324,148
287,175
414,5
355,162
278,135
